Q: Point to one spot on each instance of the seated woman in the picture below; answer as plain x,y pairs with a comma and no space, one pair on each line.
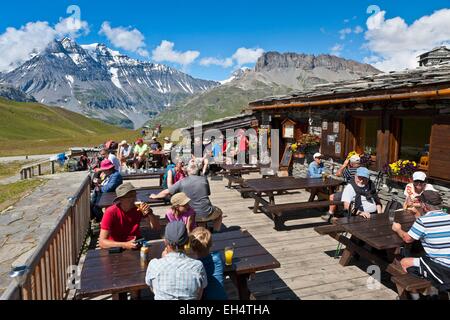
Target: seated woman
181,211
120,226
201,243
414,190
175,174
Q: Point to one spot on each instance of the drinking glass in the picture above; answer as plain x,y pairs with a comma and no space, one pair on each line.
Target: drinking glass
229,252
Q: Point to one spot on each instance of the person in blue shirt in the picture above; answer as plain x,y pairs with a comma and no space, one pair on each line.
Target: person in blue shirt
201,243
112,179
316,168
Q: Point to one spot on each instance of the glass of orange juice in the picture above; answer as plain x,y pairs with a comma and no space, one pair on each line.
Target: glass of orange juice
229,252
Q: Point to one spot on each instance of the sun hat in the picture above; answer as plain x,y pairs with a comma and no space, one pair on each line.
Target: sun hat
106,165
140,140
419,176
355,159
180,199
430,197
123,190
124,142
176,233
166,139
317,155
363,172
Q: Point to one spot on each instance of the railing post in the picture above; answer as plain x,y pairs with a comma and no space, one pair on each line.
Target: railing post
39,170
53,167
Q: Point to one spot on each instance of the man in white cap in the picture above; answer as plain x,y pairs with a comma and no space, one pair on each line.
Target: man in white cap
348,172
125,152
316,168
414,190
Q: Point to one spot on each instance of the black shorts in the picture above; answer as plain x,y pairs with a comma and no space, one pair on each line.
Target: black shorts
337,196
438,274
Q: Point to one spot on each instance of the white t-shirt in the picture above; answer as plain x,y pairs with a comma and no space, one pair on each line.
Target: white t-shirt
411,192
115,161
125,152
349,195
168,146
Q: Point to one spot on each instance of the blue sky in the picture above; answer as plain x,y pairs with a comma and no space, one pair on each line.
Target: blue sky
216,29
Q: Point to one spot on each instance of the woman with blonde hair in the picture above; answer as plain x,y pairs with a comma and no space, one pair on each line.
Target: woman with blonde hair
201,243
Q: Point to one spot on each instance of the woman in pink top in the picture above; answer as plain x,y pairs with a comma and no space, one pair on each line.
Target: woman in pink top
181,211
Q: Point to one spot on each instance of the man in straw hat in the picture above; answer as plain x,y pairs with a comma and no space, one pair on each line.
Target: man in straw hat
120,226
433,231
125,152
176,276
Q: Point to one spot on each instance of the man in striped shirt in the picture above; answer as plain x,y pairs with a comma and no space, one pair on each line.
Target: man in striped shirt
433,230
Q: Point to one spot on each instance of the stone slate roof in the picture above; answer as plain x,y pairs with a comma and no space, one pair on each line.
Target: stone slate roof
372,85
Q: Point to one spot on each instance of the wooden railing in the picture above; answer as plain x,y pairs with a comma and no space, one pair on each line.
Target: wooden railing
48,269
37,169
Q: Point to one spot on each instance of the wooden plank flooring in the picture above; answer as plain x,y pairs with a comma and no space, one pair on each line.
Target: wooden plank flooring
308,268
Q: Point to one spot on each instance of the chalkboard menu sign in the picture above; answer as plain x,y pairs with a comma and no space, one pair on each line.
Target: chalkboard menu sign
287,156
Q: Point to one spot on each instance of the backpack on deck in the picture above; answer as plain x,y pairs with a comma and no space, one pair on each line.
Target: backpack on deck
170,167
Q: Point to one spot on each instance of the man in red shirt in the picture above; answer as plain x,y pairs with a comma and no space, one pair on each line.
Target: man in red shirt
120,226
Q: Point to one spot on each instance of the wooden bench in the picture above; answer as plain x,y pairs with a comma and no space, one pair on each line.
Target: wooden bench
408,283
280,211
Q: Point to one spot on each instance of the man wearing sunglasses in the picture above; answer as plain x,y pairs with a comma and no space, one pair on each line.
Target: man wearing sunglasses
414,190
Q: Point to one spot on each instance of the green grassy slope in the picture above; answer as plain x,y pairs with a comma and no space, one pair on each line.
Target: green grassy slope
32,128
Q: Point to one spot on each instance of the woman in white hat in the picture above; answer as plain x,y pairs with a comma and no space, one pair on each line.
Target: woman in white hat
414,189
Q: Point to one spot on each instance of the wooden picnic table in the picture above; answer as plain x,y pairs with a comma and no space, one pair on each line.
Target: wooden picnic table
279,185
116,274
234,172
143,195
374,239
150,174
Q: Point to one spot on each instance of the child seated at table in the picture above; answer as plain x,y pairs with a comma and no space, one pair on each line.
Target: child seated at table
201,243
181,211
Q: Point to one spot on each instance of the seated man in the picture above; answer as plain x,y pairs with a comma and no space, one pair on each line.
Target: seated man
140,153
155,145
120,226
112,179
197,189
125,153
176,276
108,154
433,230
363,193
316,168
415,189
348,171
168,145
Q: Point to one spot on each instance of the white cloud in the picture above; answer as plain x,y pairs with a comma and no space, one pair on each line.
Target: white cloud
16,45
241,57
165,52
344,33
395,45
337,49
358,30
125,38
244,56
225,63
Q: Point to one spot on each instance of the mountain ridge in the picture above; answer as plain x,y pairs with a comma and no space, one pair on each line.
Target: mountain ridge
99,82
274,74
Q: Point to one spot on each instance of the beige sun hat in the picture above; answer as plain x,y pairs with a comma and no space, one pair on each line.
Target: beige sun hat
180,199
123,190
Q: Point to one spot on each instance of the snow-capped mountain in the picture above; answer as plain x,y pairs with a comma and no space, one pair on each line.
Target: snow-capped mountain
102,83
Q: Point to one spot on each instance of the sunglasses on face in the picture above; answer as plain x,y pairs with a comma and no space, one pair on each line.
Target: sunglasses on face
418,183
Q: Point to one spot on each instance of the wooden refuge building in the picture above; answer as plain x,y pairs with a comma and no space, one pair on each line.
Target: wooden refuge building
397,115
